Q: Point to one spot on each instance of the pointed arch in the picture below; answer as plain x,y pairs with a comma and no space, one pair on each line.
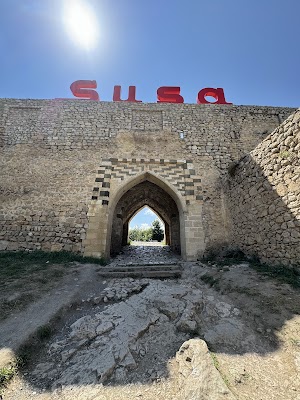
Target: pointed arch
141,208
157,216
154,178
118,222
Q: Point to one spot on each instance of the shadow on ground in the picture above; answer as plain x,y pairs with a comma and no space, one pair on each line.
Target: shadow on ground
127,331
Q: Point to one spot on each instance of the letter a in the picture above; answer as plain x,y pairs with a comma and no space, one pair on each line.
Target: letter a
218,94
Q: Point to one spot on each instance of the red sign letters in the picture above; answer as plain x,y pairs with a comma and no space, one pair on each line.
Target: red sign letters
165,94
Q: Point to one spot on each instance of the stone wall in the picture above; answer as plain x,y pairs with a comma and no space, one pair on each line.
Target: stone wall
64,164
264,197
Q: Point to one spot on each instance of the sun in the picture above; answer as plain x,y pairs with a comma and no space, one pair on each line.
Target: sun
81,23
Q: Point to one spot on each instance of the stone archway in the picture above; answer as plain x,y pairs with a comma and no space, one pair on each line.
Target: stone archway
104,218
138,196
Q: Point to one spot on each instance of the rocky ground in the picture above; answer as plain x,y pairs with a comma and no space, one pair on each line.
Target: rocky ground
219,332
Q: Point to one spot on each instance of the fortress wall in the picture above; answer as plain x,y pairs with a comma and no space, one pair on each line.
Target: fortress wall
264,197
51,152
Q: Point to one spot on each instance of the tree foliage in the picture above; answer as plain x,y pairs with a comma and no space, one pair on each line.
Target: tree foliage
147,234
140,234
157,232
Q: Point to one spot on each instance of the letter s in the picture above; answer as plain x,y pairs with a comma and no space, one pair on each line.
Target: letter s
169,94
83,89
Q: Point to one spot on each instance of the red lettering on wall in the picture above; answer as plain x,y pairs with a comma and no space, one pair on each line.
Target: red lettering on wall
83,89
131,94
165,94
169,94
218,94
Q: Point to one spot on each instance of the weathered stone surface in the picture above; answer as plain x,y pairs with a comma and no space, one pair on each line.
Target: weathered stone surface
186,325
113,334
198,378
171,307
266,218
84,327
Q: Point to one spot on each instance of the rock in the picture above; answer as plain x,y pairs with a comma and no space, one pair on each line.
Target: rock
120,374
84,327
4,245
223,309
169,306
128,362
65,355
105,369
104,327
186,325
229,332
13,297
197,376
97,300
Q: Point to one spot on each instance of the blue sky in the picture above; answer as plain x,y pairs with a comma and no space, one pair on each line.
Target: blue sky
144,218
250,48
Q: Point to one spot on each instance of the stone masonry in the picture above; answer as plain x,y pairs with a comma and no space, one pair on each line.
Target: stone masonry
66,166
264,197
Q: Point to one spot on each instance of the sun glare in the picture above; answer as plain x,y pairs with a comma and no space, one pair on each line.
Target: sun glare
81,23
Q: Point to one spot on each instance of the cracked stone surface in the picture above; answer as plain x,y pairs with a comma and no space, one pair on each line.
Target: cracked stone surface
145,254
142,324
113,338
150,338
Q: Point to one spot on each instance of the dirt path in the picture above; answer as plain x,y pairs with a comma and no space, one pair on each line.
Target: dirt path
122,340
21,326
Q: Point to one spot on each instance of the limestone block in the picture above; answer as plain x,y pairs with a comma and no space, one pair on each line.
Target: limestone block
197,376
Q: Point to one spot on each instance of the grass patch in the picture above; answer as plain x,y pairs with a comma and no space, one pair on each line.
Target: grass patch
211,281
225,257
30,350
25,276
44,332
215,360
6,374
6,307
218,367
283,274
25,355
14,264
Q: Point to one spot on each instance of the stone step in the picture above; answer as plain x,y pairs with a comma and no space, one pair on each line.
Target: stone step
176,273
147,264
148,267
142,271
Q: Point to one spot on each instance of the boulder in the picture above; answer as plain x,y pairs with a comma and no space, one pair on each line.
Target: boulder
197,376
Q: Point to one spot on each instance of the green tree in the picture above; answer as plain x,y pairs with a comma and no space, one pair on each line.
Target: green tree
140,234
157,231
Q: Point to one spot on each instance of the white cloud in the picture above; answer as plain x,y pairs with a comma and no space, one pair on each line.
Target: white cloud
149,212
145,226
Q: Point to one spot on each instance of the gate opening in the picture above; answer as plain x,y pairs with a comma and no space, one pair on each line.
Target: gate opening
132,201
146,228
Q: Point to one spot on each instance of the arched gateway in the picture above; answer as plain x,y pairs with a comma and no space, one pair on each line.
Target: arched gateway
154,196
124,186
108,219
